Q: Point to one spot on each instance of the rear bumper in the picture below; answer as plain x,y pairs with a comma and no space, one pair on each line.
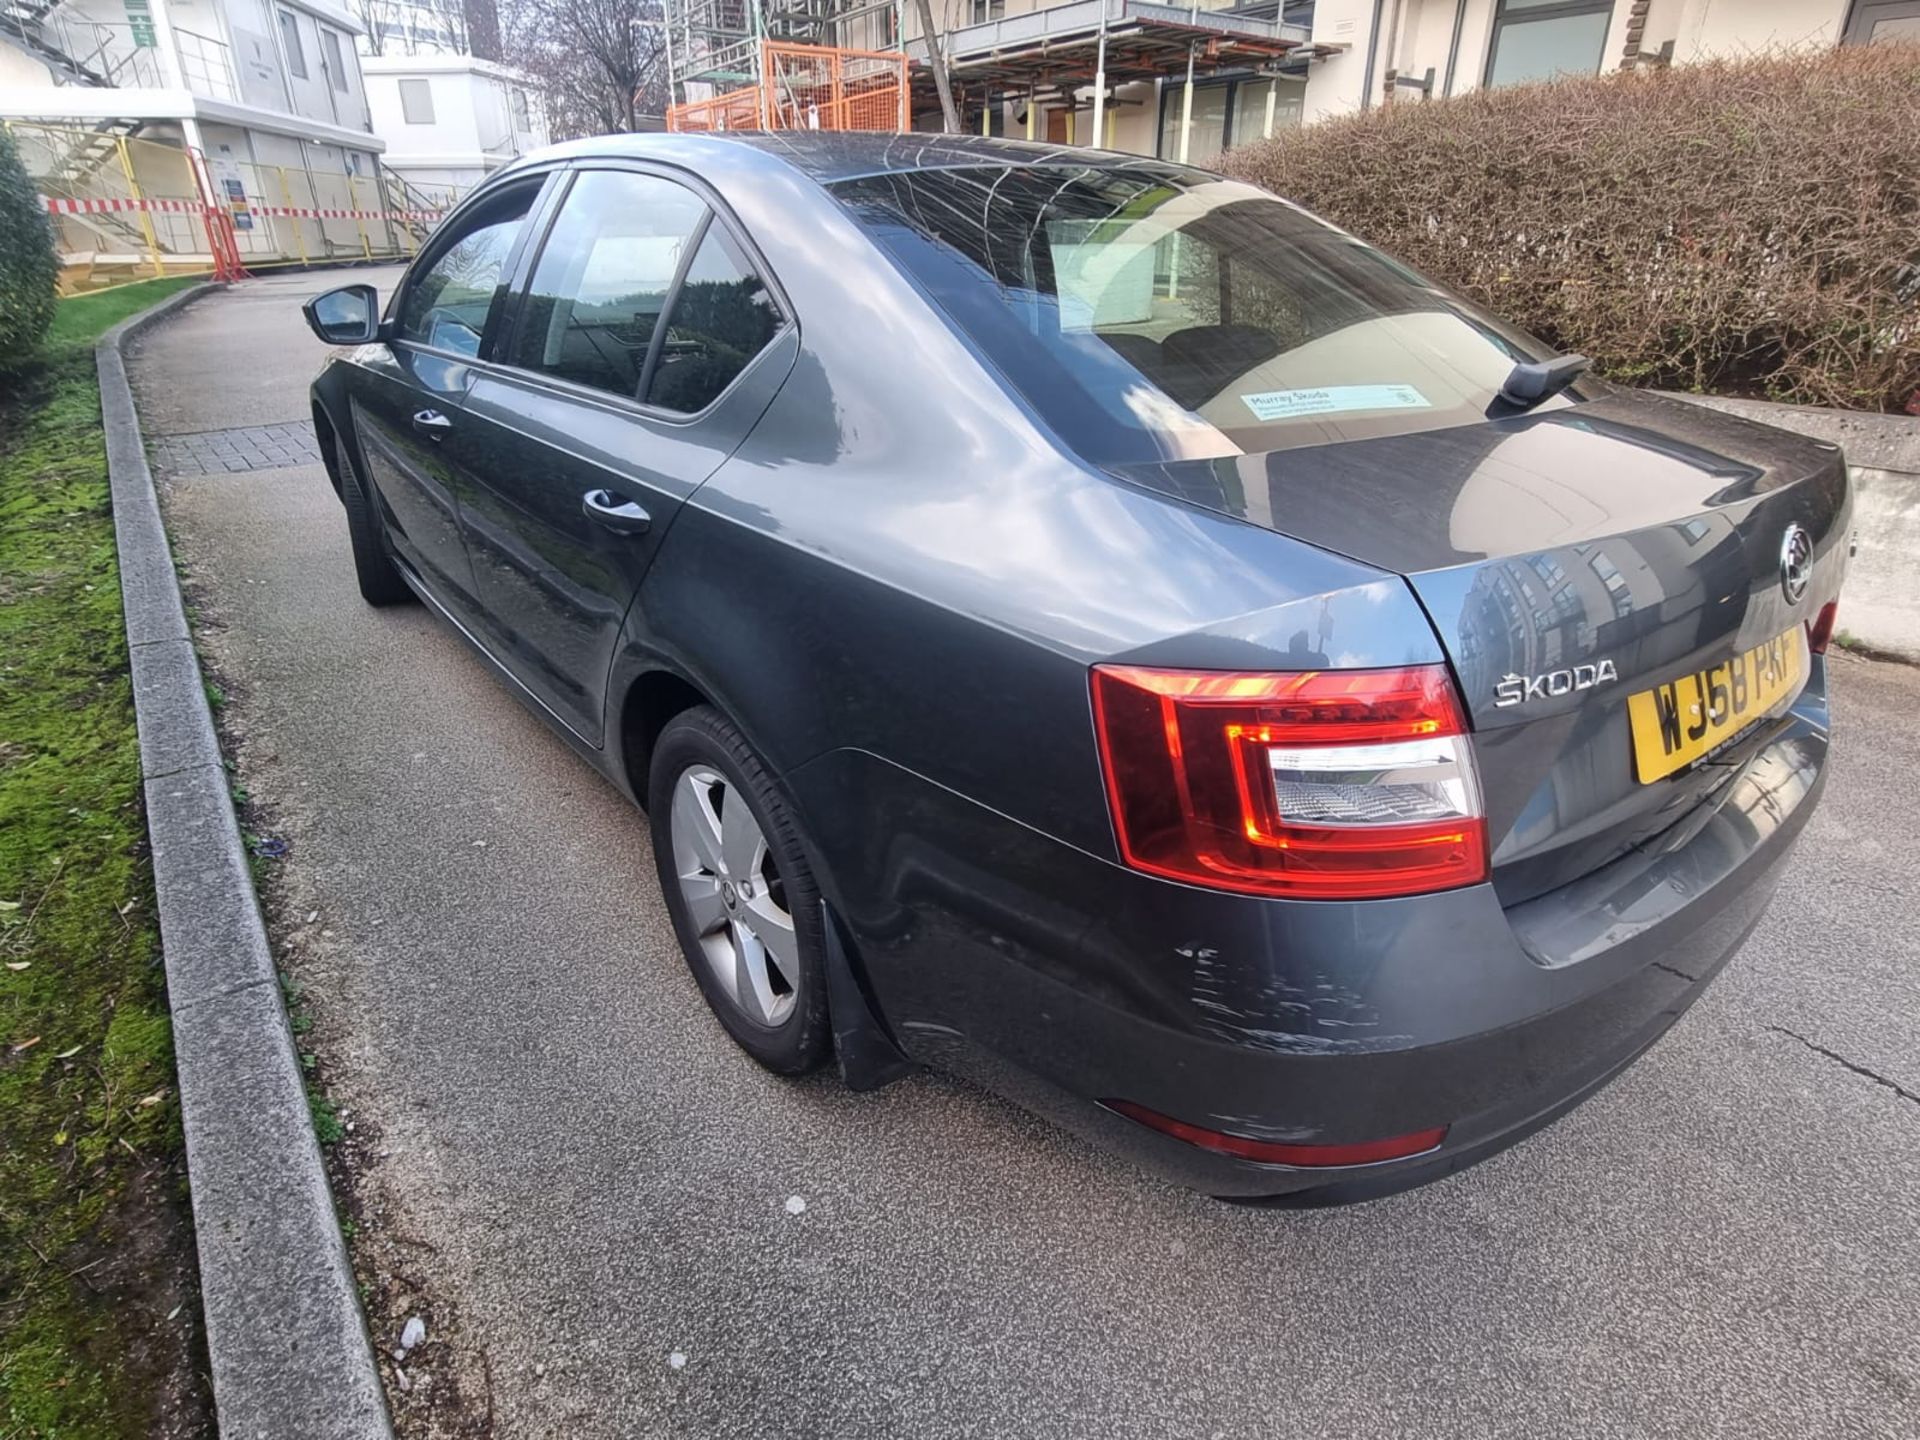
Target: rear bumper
1060,980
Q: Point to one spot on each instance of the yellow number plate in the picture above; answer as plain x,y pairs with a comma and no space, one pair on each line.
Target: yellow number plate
1676,723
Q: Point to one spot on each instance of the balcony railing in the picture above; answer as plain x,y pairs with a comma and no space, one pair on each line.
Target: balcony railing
206,65
116,55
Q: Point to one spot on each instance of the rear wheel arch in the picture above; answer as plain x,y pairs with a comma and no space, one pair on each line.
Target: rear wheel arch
650,702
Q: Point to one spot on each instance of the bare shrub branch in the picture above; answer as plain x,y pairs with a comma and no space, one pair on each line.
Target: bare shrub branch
1747,226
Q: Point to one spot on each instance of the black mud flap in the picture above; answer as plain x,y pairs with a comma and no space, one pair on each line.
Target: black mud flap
869,1058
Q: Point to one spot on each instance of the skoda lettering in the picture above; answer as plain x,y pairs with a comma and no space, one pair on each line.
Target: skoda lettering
1514,689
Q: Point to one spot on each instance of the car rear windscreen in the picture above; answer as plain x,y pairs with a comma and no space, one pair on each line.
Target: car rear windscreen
1150,312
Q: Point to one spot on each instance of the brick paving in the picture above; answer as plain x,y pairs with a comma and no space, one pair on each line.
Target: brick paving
248,447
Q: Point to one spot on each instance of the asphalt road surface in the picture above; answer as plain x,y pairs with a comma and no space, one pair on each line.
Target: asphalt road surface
567,1169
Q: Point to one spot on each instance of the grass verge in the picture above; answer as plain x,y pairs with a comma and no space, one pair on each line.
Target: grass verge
98,1312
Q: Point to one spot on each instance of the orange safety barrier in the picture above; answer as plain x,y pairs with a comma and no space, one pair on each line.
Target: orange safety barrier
223,244
808,87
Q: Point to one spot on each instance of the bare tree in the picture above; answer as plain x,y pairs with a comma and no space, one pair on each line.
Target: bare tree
411,27
600,65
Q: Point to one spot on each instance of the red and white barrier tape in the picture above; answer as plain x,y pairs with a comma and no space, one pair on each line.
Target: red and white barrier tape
302,212
58,205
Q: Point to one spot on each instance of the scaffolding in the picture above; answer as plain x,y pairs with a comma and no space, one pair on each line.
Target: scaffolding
785,64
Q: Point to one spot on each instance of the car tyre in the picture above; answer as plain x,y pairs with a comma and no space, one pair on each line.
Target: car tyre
380,580
742,896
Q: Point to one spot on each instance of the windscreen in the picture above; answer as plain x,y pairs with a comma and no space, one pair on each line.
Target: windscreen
1149,312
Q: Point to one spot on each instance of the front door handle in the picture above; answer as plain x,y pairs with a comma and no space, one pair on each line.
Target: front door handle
623,517
432,424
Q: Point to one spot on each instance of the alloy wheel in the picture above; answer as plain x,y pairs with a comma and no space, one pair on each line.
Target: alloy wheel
734,895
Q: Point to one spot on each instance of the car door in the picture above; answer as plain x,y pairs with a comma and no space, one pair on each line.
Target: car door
642,349
405,395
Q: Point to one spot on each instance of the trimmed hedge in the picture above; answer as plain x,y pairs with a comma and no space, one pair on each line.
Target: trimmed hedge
1749,226
28,269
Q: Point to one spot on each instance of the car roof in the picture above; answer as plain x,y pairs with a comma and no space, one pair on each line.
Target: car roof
829,156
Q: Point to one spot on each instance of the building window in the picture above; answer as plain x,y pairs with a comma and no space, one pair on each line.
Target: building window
985,10
416,102
1615,582
336,61
290,41
1228,112
1877,20
1540,39
518,97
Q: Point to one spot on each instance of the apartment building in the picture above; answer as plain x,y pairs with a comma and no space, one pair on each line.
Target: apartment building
449,119
1188,81
265,82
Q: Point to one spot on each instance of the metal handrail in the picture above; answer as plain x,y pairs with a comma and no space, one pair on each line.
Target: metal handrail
206,65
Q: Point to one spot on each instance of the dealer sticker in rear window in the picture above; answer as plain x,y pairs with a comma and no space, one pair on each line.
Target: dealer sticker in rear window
1332,399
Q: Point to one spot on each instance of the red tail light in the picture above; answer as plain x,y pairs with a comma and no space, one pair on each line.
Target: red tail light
1338,784
1820,633
1269,1152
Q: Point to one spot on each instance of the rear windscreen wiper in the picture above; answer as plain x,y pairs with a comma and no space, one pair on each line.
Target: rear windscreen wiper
1533,381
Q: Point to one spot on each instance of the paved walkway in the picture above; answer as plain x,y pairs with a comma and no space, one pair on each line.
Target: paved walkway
573,1175
245,447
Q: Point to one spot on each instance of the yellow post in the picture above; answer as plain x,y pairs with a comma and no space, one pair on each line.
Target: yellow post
1071,103
353,203
299,230
1033,109
986,114
1112,116
146,220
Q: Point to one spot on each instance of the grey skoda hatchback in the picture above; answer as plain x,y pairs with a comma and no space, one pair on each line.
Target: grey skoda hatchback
1086,624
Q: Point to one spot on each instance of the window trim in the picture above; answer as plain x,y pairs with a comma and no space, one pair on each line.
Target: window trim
1504,17
499,310
717,210
1858,29
296,53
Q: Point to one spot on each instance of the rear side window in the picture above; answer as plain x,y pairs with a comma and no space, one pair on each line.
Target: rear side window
603,279
1153,312
446,307
722,317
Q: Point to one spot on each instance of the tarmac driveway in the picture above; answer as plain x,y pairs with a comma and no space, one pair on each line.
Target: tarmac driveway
564,1166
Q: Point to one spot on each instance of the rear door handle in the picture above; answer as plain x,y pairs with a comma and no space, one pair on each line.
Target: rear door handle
432,424
623,517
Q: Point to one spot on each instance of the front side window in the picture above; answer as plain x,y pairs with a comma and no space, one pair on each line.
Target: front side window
519,102
722,317
1539,39
603,279
290,38
1149,312
446,306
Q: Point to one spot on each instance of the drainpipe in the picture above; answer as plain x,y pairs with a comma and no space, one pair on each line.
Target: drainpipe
1373,50
1453,46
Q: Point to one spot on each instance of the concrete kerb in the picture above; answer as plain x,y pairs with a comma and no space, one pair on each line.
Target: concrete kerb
285,1332
1880,606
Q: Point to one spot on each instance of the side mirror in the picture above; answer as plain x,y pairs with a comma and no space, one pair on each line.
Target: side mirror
347,316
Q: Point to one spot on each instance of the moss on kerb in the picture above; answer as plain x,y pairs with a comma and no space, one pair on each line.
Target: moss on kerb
87,1104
